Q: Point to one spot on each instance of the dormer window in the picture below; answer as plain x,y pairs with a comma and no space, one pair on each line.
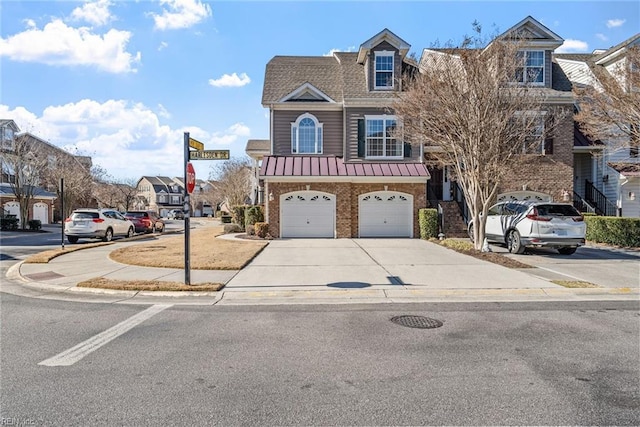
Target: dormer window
384,69
532,69
306,135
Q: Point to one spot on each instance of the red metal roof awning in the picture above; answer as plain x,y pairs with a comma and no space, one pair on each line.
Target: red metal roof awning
331,166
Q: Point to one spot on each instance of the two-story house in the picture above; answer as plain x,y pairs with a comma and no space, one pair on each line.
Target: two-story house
607,175
337,167
160,194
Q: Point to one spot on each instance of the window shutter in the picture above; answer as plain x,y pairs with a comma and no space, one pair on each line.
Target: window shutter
361,138
407,149
548,140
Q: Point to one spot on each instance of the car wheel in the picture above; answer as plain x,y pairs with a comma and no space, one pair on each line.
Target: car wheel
514,243
108,235
130,232
72,239
470,232
159,228
566,251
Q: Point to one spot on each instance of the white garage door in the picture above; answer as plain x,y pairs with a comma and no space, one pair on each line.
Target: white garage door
307,214
12,208
385,214
41,212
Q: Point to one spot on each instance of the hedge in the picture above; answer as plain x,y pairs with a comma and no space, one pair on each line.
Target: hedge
613,230
428,220
252,215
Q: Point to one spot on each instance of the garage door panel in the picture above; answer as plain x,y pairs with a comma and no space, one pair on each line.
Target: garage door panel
308,214
386,214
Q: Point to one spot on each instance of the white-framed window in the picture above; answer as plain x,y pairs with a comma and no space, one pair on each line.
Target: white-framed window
306,135
380,138
534,143
383,70
531,69
162,198
8,141
176,200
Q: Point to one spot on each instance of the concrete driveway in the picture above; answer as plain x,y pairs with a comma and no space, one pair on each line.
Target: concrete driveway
360,263
604,266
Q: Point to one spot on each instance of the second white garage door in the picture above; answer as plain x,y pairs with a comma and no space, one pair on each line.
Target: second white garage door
385,214
307,214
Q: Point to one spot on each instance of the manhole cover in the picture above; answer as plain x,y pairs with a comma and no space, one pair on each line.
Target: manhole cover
420,322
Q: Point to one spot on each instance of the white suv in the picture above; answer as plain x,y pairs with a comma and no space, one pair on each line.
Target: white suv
529,224
97,224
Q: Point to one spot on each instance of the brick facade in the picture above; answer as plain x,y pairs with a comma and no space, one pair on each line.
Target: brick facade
552,173
346,202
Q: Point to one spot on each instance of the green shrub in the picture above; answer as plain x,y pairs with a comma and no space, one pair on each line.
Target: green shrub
237,215
428,219
35,224
262,229
612,230
252,215
9,223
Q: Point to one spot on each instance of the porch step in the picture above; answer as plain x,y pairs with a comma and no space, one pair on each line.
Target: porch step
454,225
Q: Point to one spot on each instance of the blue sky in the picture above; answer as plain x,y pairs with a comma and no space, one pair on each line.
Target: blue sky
122,80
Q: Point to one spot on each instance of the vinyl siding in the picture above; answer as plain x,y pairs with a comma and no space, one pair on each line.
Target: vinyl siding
331,131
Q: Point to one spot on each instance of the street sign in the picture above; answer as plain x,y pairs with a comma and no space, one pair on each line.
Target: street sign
209,155
196,144
191,178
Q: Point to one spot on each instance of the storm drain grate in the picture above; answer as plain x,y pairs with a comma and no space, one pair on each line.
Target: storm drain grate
420,322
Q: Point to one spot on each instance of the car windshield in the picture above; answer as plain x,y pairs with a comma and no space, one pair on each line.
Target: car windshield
85,215
557,210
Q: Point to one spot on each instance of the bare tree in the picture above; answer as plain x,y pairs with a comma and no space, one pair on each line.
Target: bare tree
23,165
609,108
466,108
233,178
77,182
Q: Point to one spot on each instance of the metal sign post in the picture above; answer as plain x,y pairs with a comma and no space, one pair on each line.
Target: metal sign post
187,214
62,218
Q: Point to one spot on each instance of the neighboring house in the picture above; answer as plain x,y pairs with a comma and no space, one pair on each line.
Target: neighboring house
45,205
607,177
336,167
162,194
257,149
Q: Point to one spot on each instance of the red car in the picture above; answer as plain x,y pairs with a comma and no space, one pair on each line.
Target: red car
145,221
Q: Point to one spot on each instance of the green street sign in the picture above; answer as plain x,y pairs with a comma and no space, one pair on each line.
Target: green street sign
209,155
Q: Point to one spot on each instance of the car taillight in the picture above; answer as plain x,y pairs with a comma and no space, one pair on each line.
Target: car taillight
146,221
98,220
535,217
577,218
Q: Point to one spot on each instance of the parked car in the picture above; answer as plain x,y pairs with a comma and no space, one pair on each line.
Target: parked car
175,214
525,224
145,221
97,224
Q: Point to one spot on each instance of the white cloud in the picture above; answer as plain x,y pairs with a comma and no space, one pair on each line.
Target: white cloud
163,45
181,14
231,80
613,23
59,44
602,37
29,23
332,51
162,112
94,12
571,45
127,139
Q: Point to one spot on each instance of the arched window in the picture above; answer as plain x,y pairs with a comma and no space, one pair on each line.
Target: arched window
306,135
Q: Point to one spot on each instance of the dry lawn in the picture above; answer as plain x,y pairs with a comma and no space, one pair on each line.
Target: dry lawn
574,284
148,285
206,253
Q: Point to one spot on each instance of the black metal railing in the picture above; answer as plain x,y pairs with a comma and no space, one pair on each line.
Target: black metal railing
581,204
458,196
433,202
599,201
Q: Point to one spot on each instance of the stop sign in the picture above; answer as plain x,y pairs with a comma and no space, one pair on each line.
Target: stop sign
191,178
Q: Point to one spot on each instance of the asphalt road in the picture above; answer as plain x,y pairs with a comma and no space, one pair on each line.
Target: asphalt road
489,364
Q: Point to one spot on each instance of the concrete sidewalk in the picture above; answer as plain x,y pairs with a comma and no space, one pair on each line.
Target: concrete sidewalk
310,271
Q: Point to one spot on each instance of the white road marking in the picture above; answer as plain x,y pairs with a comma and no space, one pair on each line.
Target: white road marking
74,354
563,274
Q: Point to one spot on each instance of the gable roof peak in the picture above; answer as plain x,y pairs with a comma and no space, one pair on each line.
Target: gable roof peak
384,35
535,34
